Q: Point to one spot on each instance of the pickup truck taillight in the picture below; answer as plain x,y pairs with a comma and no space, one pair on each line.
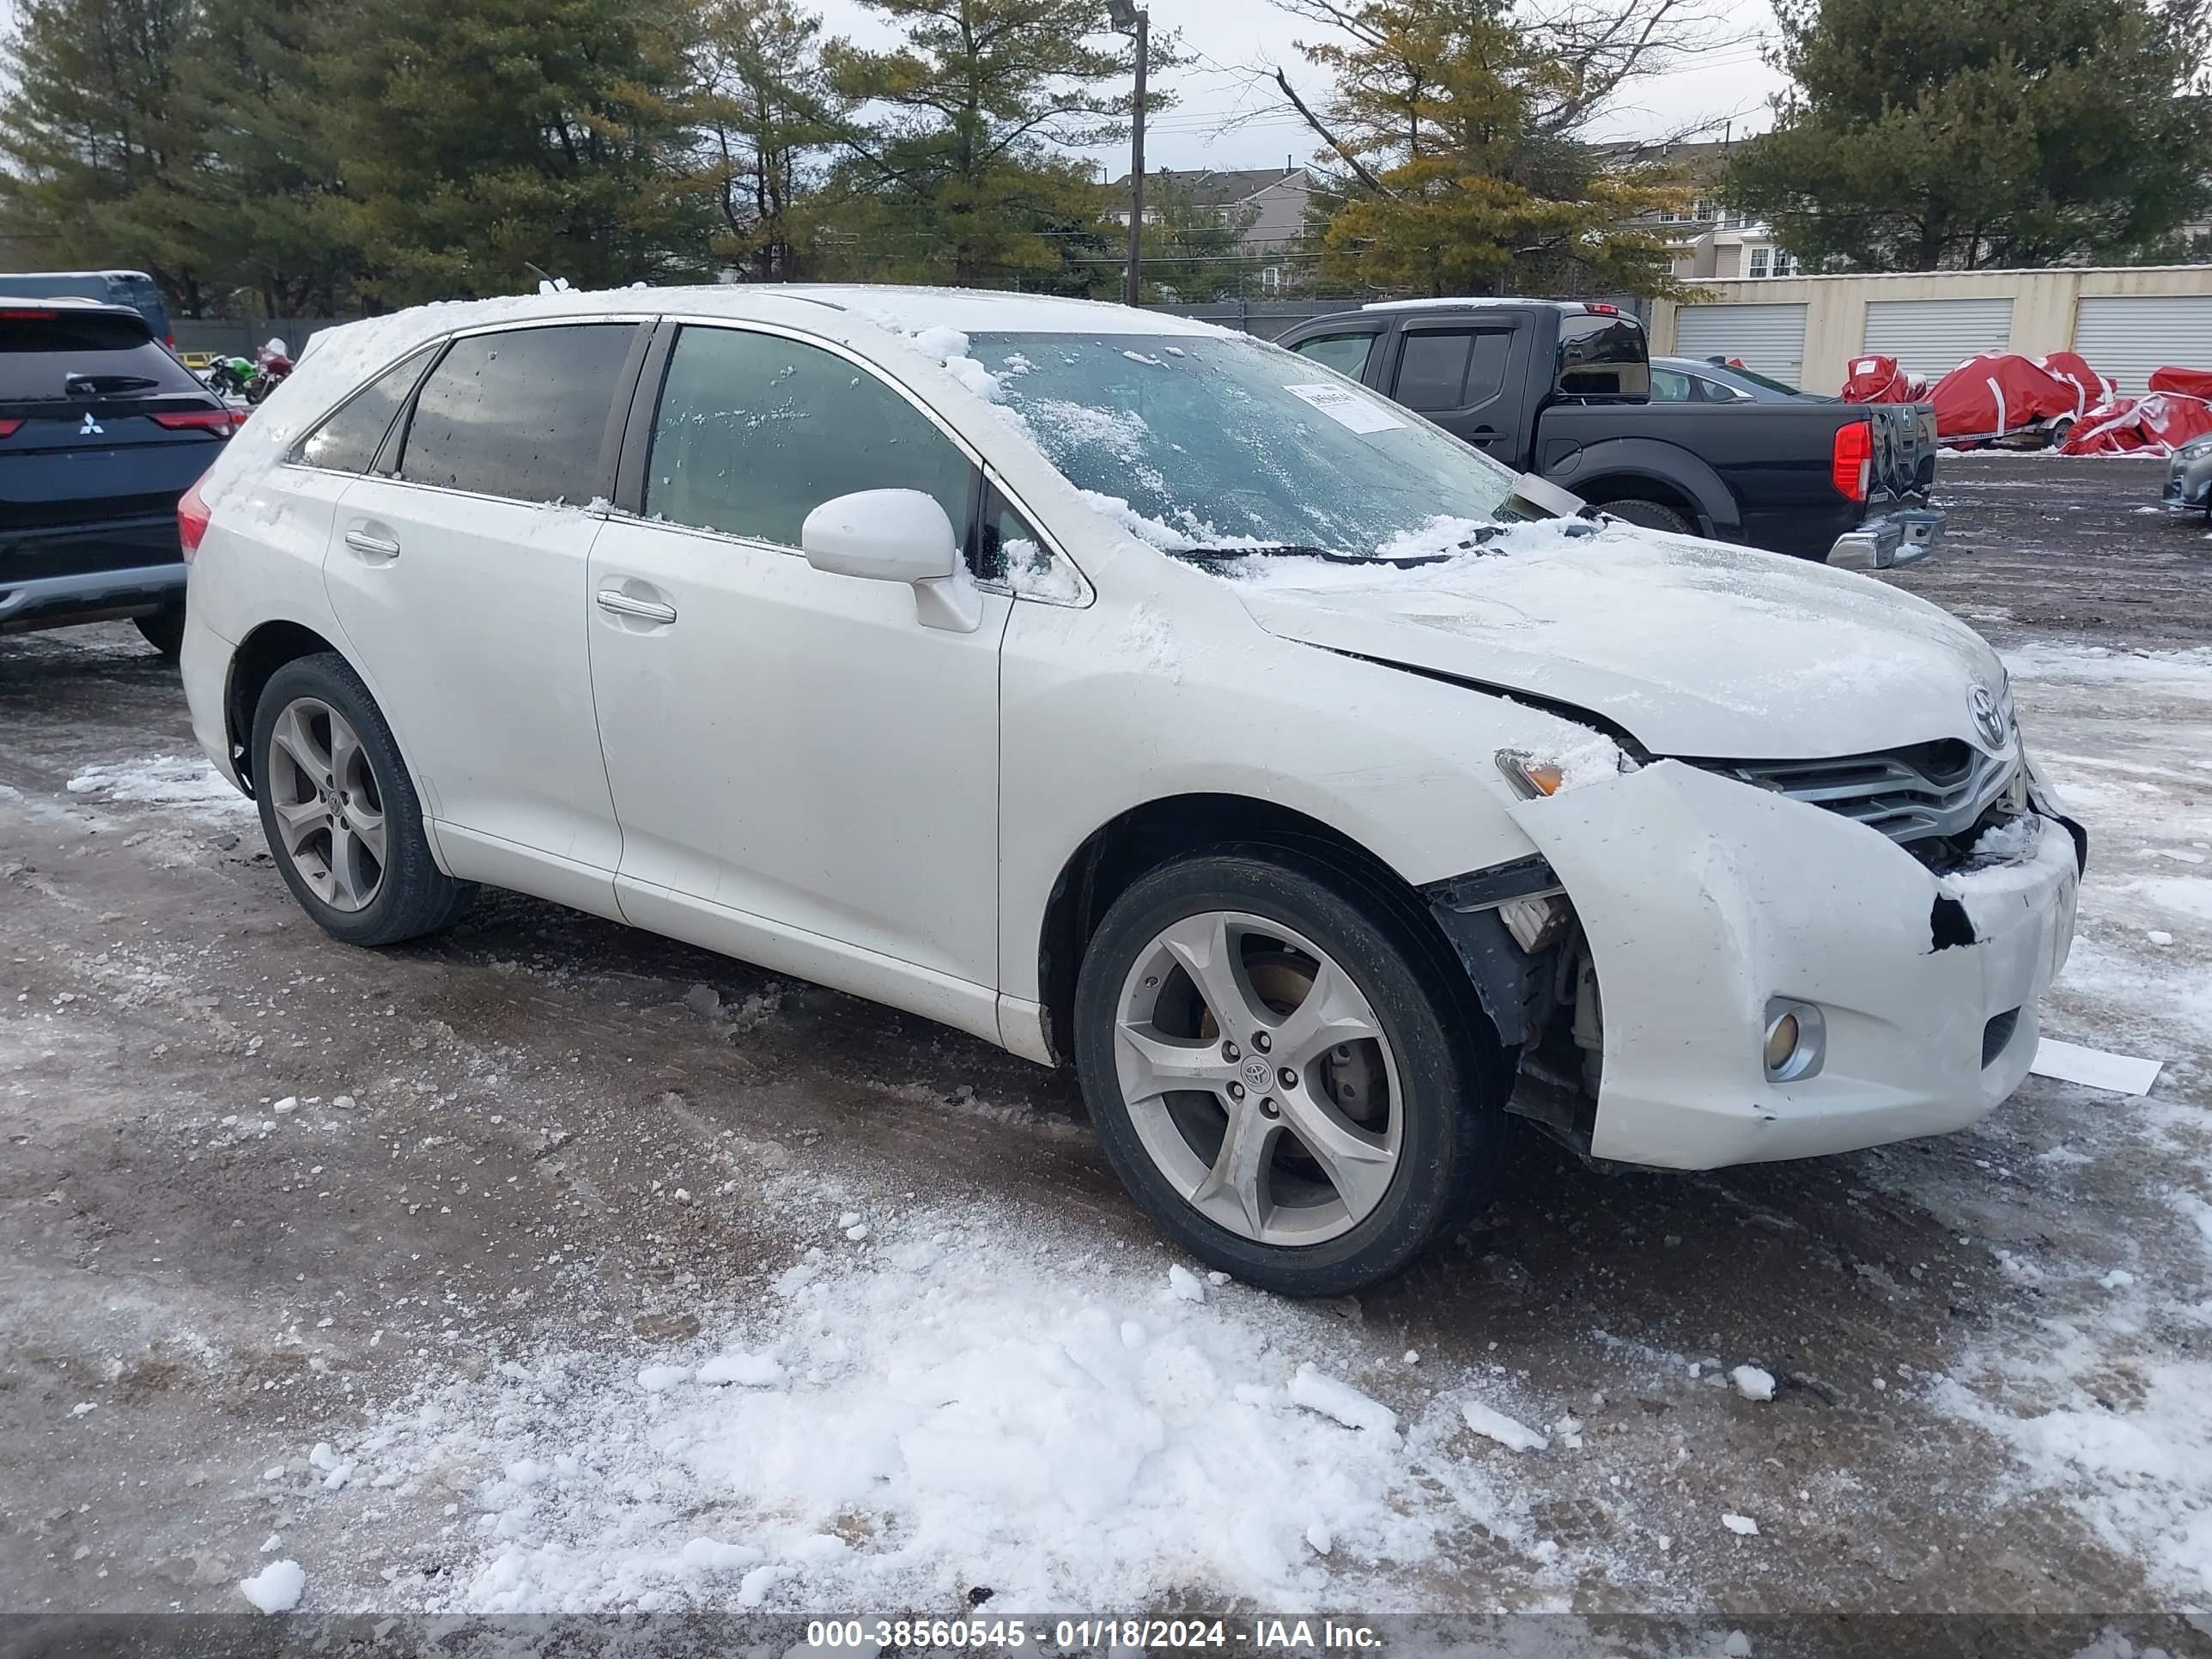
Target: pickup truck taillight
1851,463
191,520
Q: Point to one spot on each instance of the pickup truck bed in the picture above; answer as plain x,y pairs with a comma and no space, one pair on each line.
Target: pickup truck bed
1561,390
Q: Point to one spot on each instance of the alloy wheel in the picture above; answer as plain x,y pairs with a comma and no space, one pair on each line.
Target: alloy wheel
1258,1079
328,808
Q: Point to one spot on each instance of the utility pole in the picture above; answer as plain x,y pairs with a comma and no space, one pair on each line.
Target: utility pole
1130,18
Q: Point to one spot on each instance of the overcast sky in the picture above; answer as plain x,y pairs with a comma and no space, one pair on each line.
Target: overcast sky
1225,117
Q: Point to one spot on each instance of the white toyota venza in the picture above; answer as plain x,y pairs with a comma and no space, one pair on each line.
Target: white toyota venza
1140,696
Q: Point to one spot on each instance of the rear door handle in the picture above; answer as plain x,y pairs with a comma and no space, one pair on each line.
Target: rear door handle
621,605
373,547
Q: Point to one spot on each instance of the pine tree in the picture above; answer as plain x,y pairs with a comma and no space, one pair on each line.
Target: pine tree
99,143
475,138
769,114
1982,132
251,87
1451,127
956,182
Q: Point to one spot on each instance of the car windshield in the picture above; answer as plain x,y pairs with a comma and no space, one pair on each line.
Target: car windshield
1219,443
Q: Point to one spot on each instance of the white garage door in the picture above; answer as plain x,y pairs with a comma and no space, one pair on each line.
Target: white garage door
1768,339
1934,336
2126,338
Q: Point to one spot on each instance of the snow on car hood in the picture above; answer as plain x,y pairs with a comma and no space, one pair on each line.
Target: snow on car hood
1696,648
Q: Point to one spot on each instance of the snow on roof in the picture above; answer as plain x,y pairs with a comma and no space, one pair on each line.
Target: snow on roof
1449,303
977,311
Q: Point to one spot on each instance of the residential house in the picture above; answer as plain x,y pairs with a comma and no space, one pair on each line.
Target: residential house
1708,237
1273,200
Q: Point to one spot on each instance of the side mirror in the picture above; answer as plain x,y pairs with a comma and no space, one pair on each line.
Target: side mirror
896,535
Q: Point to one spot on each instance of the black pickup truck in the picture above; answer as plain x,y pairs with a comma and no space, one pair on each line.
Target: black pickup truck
1562,390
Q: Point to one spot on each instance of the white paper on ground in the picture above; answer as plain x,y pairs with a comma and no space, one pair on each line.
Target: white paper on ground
1347,407
2093,1068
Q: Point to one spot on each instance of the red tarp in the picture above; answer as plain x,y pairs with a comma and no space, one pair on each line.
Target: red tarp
2000,392
2159,424
2090,388
1878,380
2191,382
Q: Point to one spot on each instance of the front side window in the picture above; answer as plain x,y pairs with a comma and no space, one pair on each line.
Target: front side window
348,439
1203,443
755,431
1669,386
1344,353
521,413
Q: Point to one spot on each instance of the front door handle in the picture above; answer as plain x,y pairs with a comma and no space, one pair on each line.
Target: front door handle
373,547
652,611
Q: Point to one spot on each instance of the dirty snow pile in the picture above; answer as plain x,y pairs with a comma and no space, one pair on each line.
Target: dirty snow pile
932,1410
189,782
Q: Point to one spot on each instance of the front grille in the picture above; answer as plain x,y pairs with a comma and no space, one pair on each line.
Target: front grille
1925,789
1997,1034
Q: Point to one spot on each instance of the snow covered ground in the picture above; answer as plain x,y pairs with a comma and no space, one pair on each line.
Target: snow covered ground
551,1268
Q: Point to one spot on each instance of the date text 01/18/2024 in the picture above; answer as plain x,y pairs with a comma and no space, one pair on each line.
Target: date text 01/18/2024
1077,1635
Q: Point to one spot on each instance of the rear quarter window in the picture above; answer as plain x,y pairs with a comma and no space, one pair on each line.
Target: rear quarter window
348,439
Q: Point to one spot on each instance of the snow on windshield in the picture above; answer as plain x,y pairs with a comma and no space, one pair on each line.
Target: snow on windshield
1225,443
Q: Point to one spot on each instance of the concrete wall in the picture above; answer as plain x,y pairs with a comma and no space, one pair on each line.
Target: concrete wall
242,336
1835,306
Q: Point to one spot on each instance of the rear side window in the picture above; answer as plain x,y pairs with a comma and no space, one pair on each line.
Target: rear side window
348,439
1452,369
754,432
61,353
520,414
1344,353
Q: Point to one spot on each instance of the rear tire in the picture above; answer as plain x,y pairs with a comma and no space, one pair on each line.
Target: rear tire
164,629
339,809
1652,515
1328,1137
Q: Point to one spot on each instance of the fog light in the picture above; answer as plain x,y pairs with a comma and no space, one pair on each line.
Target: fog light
1796,1040
1781,1043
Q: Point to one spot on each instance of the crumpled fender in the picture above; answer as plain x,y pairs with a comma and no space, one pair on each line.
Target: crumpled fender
1702,897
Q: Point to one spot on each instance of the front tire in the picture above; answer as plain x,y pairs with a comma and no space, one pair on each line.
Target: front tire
339,809
1281,1071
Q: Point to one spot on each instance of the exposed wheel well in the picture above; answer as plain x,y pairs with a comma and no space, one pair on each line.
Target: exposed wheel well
1146,837
264,651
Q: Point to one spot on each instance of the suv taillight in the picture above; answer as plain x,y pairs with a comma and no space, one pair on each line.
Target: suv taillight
1852,460
192,520
7,428
198,420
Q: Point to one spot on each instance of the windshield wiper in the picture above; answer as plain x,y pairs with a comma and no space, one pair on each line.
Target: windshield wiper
1292,551
86,386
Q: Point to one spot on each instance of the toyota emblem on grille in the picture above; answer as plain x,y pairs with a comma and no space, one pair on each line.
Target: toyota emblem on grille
1989,719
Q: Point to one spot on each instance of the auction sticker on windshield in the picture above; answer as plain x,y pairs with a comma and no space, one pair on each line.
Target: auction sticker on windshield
1347,408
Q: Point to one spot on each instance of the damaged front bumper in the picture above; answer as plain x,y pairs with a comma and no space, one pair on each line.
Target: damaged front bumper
1703,900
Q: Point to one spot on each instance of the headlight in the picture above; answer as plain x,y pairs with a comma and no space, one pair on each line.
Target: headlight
2195,452
1534,777
1530,776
